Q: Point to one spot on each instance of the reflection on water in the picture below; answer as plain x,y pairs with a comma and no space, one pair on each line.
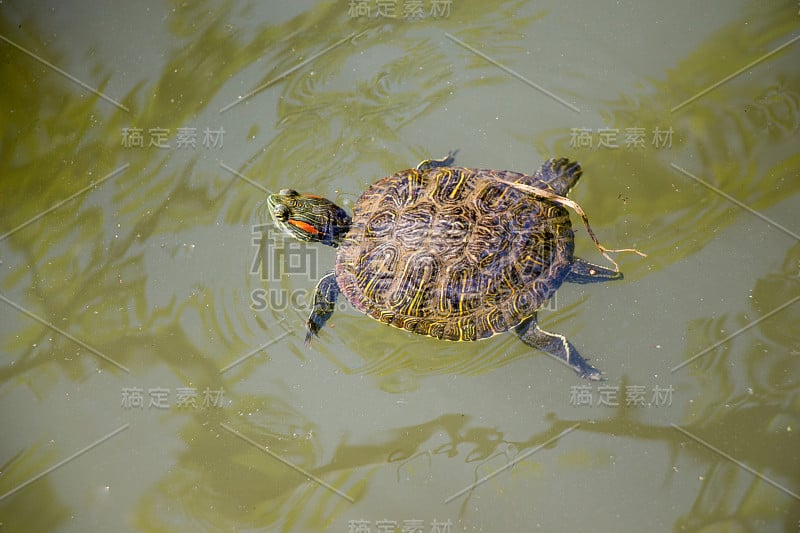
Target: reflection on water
26,504
762,400
150,268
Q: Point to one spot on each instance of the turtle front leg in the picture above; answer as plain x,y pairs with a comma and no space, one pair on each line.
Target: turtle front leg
325,294
558,346
435,163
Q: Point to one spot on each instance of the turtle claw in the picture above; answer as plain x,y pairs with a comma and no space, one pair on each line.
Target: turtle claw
585,370
308,340
592,374
312,331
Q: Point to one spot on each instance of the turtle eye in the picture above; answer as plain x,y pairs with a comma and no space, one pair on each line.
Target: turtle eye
281,213
287,192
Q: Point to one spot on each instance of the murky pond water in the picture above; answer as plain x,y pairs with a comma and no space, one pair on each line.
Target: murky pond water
153,375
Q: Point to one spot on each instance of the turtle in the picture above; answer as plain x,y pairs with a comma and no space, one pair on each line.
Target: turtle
458,254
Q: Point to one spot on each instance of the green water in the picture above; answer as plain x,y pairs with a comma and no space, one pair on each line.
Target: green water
144,388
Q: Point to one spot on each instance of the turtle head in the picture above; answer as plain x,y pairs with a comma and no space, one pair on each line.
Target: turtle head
307,217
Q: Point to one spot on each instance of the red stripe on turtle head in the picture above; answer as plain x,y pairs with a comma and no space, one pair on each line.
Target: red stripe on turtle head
305,226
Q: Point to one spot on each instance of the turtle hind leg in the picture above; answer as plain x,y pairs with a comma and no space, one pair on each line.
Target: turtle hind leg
325,294
561,174
446,161
558,346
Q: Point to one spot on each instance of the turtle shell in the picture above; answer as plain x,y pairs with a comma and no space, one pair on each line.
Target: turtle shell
452,253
